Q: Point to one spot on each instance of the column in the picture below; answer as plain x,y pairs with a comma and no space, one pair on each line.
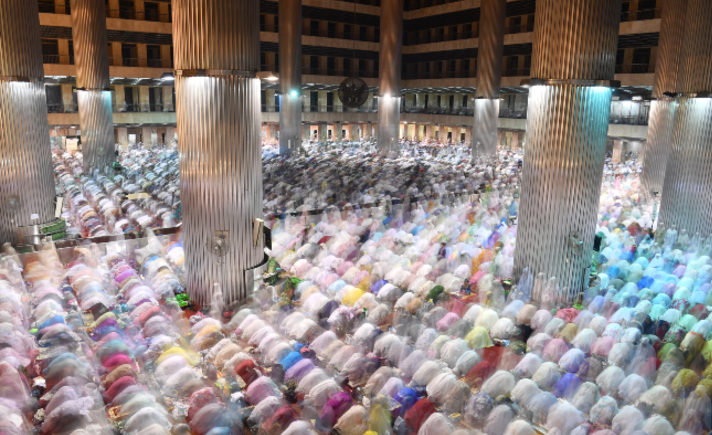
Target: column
144,98
68,99
687,189
373,130
339,132
170,135
468,135
389,75
122,136
321,101
218,118
272,130
322,133
26,180
147,137
662,109
348,129
91,56
119,98
489,78
338,105
167,98
290,74
429,132
567,127
617,151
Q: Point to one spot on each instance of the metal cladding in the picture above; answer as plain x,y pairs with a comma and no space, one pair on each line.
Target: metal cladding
489,78
290,75
484,138
695,70
391,48
561,182
687,202
97,123
672,29
91,55
218,121
687,189
26,180
491,47
567,127
20,42
662,111
575,39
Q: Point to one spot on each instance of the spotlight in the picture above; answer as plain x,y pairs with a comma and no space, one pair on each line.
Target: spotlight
293,93
168,76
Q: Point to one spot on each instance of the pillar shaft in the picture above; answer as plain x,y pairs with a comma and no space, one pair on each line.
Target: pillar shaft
389,74
91,56
218,120
687,189
26,180
662,110
567,126
489,78
290,72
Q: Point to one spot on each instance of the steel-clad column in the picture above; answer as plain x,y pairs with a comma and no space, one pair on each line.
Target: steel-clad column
26,180
218,116
662,109
290,75
687,190
567,125
489,78
91,56
389,75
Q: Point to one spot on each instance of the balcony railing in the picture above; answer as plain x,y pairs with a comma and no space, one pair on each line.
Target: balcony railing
117,108
131,14
643,14
440,75
635,68
63,59
338,72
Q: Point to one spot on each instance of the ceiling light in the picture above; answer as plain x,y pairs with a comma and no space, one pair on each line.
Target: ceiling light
168,76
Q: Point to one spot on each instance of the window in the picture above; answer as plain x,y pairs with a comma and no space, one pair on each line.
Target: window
347,31
331,30
453,33
439,70
362,33
46,6
465,65
129,54
153,53
452,101
468,31
71,52
152,13
263,22
314,101
527,63
464,100
646,9
314,64
515,24
439,34
377,38
641,60
50,51
439,105
128,98
426,100
329,101
263,100
512,66
624,11
127,10
54,99
453,66
276,23
314,28
347,67
330,66
263,61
